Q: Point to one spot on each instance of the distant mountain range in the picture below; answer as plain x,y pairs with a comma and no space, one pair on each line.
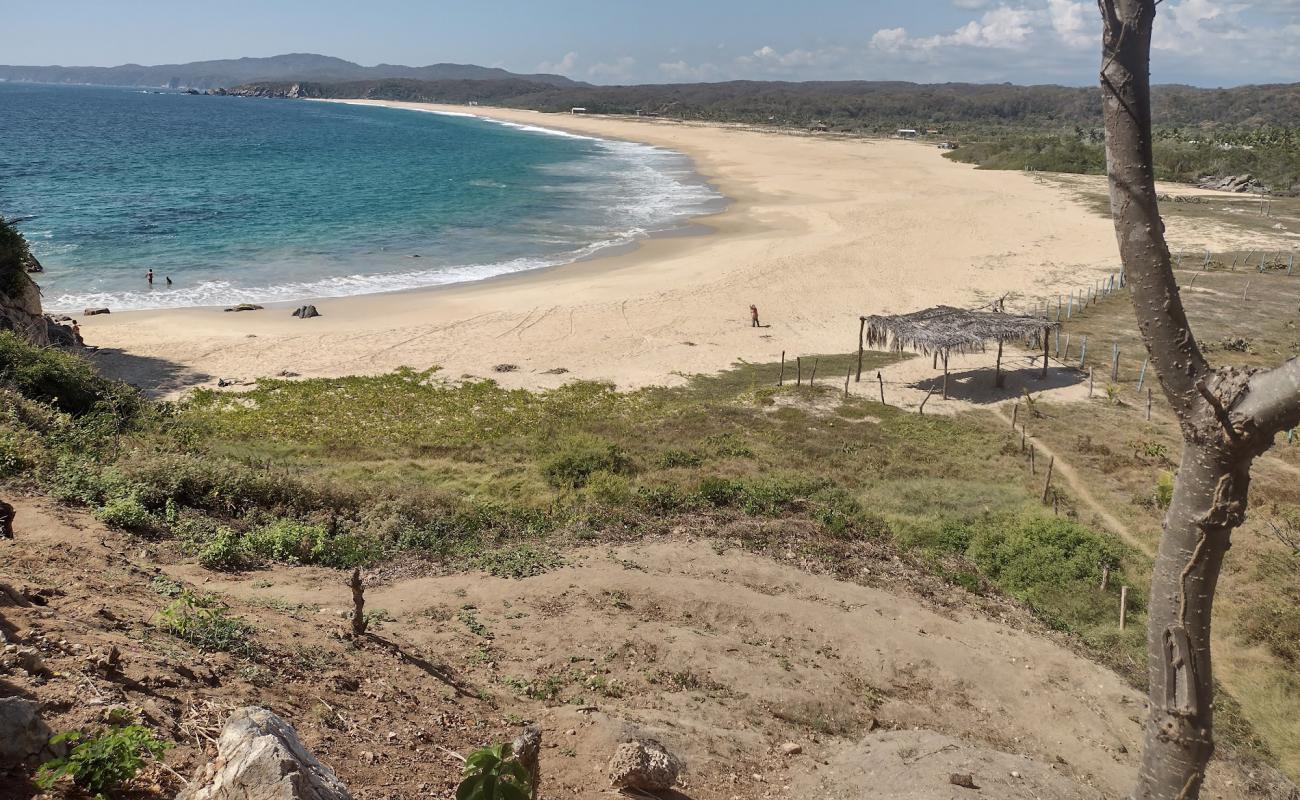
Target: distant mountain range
235,71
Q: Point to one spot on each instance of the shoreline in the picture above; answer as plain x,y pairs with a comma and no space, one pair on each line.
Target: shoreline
818,231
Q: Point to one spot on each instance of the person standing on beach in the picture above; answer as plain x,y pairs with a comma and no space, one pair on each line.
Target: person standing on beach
753,316
149,277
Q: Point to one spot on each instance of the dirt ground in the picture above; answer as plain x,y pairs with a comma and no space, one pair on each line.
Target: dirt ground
888,682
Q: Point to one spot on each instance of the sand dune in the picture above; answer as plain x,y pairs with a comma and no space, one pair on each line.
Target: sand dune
821,230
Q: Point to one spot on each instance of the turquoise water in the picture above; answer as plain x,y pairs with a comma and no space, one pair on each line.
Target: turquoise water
245,200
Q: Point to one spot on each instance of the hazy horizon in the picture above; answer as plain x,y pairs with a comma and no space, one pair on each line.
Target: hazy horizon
1029,42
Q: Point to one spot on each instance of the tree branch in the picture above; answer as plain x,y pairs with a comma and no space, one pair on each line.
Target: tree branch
1273,400
1139,229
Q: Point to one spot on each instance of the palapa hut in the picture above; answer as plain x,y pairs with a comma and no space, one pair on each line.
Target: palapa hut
943,329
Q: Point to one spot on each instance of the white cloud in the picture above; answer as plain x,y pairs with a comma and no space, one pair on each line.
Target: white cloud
1076,23
681,71
970,4
1003,27
562,67
618,70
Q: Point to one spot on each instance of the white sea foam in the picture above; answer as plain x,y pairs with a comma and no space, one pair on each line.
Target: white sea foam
650,189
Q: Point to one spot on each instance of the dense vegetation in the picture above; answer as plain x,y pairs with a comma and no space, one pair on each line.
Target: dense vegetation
1270,154
359,470
853,106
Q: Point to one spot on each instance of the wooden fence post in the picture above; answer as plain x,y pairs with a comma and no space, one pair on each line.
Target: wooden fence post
1089,382
1083,353
1105,576
780,381
1033,469
862,327
881,378
1114,366
1148,405
1123,606
1015,412
1062,356
798,371
812,379
921,410
1142,376
1047,484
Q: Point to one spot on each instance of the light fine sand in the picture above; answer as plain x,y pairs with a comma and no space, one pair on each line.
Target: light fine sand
820,231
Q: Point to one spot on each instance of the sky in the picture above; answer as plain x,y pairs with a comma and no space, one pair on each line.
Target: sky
1201,42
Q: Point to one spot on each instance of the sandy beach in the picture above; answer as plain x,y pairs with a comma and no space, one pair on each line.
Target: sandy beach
820,230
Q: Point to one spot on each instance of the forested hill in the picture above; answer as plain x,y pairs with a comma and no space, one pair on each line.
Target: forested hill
858,106
232,71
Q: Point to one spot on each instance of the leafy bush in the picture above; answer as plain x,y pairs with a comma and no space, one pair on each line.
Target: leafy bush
1164,494
579,458
61,379
204,622
287,541
523,561
679,458
491,774
103,763
224,552
610,489
127,513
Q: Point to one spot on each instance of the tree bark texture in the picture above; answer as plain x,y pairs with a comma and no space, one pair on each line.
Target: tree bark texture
1227,417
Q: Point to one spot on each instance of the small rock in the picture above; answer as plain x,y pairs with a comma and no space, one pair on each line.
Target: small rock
791,749
260,756
306,312
245,307
570,732
506,368
963,779
1015,774
645,765
24,735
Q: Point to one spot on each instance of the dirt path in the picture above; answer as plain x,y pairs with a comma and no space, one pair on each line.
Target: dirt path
1062,469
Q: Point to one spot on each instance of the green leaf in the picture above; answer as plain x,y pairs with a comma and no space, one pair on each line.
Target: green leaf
472,788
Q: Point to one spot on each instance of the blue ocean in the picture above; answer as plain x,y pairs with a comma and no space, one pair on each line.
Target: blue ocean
247,200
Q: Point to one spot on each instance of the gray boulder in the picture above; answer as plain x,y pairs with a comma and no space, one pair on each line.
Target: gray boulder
645,765
24,736
259,757
306,312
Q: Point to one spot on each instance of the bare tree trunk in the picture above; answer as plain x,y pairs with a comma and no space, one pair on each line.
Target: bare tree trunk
358,604
1227,416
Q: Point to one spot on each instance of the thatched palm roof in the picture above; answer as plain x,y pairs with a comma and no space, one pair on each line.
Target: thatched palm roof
946,329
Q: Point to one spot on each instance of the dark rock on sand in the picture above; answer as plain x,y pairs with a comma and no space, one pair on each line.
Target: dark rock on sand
306,312
92,312
245,307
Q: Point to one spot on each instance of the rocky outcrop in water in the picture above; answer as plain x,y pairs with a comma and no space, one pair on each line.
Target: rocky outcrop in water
20,297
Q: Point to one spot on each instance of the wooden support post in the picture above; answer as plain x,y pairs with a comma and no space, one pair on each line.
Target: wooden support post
862,328
1142,376
780,381
1024,436
945,374
997,368
812,379
881,379
934,360
923,402
1047,484
1083,353
1114,366
1033,469
1063,356
1058,343
1148,405
358,603
1015,414
798,371
1043,375
1123,607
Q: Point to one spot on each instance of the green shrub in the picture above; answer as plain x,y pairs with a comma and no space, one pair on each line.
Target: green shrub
224,552
609,489
205,622
1164,490
579,458
287,541
491,774
126,513
679,458
61,379
103,763
19,451
522,561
